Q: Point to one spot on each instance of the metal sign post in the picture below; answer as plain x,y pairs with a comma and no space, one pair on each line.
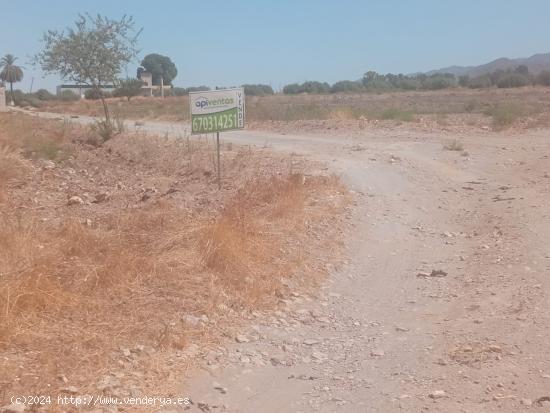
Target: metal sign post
219,168
217,111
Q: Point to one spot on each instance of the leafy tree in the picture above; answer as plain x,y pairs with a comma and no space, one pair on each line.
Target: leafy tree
181,91
370,77
10,73
161,67
93,52
43,94
346,86
544,78
480,82
439,81
258,90
68,96
292,89
514,79
464,80
128,88
307,87
95,94
522,70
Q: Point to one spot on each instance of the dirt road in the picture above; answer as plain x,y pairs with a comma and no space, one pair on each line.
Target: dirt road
443,303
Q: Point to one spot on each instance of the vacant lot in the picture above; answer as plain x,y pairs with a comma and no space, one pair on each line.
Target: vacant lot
119,263
455,108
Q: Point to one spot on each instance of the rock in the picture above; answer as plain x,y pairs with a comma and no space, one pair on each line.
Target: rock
75,200
63,378
191,320
437,394
317,355
13,408
102,197
401,329
498,397
310,341
527,402
276,361
88,222
377,353
495,349
108,383
241,338
70,390
48,165
434,273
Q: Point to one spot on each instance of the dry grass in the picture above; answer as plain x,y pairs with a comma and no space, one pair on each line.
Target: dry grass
74,293
506,114
394,106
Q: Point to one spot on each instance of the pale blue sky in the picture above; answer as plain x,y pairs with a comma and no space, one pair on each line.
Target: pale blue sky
277,42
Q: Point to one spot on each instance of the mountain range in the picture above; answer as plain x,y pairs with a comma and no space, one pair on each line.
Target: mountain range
536,64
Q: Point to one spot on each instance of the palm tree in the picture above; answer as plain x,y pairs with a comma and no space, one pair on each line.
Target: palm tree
10,73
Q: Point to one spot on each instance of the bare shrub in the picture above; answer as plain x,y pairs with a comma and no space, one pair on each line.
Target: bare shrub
454,145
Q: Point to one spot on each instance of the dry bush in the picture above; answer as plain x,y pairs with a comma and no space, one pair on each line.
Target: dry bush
12,167
72,293
454,145
242,246
506,114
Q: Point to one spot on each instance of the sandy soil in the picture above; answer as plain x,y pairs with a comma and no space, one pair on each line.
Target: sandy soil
443,303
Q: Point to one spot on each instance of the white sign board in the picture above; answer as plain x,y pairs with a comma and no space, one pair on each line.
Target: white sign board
217,110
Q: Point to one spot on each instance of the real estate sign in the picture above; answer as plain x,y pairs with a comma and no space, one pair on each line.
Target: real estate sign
217,110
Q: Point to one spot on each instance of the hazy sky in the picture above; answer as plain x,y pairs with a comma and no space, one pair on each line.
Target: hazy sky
282,41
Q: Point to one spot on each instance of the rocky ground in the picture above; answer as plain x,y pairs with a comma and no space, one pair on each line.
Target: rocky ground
443,302
442,305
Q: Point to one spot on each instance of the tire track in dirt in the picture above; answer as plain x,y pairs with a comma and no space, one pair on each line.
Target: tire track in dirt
378,337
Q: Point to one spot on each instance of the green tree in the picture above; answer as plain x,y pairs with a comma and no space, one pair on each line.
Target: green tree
10,73
128,88
94,52
346,86
257,90
370,77
544,78
292,89
162,69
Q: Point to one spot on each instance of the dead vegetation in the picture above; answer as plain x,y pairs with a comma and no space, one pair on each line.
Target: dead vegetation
486,108
454,145
153,260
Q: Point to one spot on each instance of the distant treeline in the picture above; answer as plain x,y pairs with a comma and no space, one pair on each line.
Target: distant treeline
376,82
249,90
517,77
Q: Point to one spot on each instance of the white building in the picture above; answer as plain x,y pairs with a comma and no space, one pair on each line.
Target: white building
148,88
79,90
